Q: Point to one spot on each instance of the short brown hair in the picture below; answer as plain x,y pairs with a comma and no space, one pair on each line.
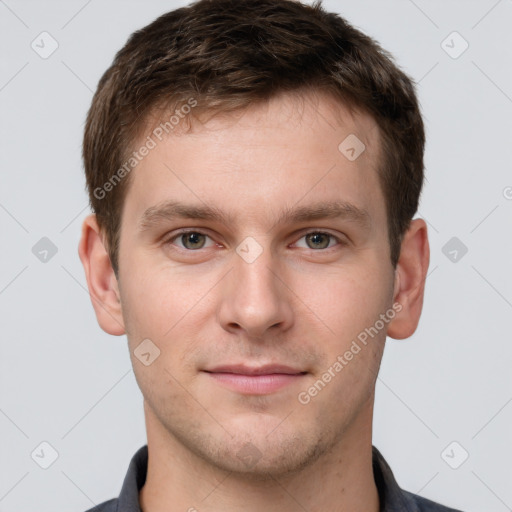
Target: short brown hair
228,54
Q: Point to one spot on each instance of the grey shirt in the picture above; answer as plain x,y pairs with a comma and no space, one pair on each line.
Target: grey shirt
392,498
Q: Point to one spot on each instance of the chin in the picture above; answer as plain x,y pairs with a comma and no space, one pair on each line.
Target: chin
261,458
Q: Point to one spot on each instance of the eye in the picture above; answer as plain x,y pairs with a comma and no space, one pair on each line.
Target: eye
320,240
191,240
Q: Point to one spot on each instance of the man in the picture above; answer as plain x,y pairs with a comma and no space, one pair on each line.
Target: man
253,168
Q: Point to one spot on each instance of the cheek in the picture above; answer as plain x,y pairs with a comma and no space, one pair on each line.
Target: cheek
349,306
347,300
154,299
159,301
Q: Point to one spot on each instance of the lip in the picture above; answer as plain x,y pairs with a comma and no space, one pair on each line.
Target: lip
267,369
259,380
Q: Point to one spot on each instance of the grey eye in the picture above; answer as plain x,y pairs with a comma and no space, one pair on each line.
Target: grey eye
193,240
318,240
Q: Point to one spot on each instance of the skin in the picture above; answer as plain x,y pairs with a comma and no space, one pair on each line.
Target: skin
297,303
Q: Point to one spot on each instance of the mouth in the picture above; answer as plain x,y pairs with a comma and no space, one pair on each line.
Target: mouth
260,380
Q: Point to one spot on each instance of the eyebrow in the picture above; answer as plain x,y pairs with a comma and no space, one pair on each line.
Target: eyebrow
170,210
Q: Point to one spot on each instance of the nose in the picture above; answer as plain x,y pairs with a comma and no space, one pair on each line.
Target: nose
255,297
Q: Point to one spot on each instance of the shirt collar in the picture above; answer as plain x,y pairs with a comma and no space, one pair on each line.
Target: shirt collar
134,481
392,497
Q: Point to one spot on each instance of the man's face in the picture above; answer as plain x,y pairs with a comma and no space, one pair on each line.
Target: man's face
261,289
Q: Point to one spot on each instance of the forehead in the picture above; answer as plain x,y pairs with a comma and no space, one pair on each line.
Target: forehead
259,161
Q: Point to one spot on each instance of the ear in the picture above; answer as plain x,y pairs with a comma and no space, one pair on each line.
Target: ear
101,279
410,275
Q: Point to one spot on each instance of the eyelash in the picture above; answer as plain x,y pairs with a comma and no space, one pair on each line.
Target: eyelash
175,236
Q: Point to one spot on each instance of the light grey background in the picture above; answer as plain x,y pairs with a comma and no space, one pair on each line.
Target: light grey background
64,381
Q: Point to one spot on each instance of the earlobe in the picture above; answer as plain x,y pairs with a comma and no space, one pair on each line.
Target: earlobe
410,276
101,279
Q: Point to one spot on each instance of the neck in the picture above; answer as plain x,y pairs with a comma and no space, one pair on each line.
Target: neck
339,481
